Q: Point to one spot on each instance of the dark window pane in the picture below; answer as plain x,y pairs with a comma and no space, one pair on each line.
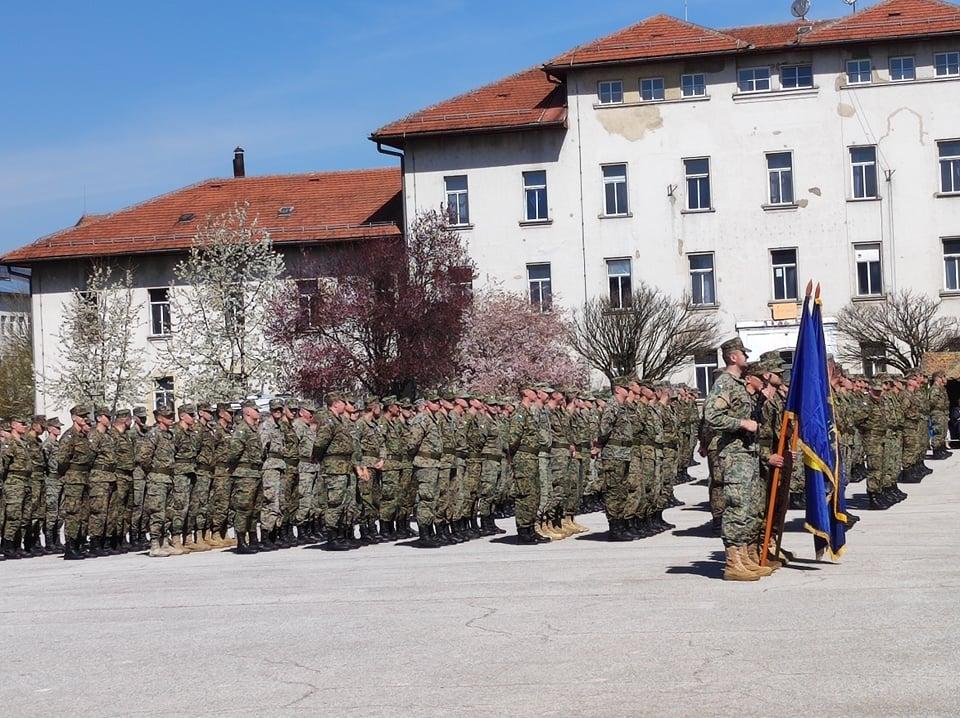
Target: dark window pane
876,280
701,261
538,271
863,278
951,246
784,256
621,197
701,166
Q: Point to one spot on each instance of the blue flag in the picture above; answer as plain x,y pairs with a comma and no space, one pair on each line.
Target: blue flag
810,401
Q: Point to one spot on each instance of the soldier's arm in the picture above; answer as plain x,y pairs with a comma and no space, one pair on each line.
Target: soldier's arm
716,413
146,450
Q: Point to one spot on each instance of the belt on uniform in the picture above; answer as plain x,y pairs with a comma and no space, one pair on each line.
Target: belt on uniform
162,472
19,474
491,456
275,455
124,472
104,467
432,457
78,467
619,444
560,446
396,457
206,468
337,456
247,465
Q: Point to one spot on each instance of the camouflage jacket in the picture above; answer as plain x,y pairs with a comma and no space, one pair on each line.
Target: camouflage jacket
124,450
272,438
616,431
335,443
426,440
245,452
726,406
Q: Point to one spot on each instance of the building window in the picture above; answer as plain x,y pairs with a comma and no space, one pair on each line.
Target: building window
651,89
702,286
754,79
610,92
859,72
615,189
163,392
693,85
538,278
949,166
159,312
902,68
951,264
784,263
458,206
535,195
796,76
697,172
780,173
874,359
618,277
863,162
705,364
947,64
869,270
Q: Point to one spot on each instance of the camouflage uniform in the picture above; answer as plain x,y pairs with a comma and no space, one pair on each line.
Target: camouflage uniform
274,466
873,428
335,443
186,446
74,459
939,415
222,485
396,451
245,459
125,459
616,437
53,493
103,482
18,471
138,519
156,456
426,441
199,513
370,446
525,443
307,470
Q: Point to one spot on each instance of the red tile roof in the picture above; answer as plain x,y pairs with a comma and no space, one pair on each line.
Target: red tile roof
327,206
656,37
764,37
891,19
528,99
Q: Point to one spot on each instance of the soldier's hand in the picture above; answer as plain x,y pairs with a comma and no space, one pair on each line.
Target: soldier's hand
378,465
749,425
702,451
775,460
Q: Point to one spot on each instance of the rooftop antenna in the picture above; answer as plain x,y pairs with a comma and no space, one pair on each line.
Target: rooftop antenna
852,3
685,13
800,8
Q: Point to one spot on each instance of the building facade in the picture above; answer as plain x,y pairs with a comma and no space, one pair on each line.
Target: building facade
725,165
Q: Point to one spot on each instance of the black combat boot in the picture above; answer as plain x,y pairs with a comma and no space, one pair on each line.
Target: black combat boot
388,531
58,547
910,476
8,550
716,525
243,548
48,542
797,501
426,538
526,536
876,502
645,527
267,542
36,548
112,545
71,550
303,535
924,469
616,531
350,536
96,547
895,490
473,527
372,532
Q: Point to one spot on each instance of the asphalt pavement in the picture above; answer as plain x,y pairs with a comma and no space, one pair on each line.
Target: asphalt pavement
580,627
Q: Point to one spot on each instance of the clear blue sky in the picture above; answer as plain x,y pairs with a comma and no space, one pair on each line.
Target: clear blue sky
108,103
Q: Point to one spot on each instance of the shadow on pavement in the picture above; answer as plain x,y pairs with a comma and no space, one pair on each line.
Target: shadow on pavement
712,568
704,530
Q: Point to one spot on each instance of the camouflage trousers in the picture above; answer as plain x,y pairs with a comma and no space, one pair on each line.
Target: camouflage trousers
639,482
559,466
120,505
427,479
873,445
573,484
668,475
16,499
470,489
546,481
289,496
592,478
715,486
526,489
307,489
742,492
137,519
270,499
37,506
220,491
447,493
368,493
487,492
892,459
155,505
614,486
179,503
102,503
74,509
798,478
390,494
408,493
341,500
245,496
941,433
505,482
53,496
198,511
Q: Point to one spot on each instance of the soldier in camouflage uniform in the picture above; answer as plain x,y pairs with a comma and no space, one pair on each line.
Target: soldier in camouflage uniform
426,446
274,466
35,503
472,429
371,448
561,450
74,459
138,520
491,459
305,430
893,440
728,412
580,444
52,489
939,415
395,450
245,454
198,512
340,466
616,440
125,459
103,481
447,485
186,445
156,456
222,482
763,378
525,441
17,469
641,476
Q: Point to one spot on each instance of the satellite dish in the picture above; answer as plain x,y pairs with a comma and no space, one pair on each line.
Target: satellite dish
853,3
800,8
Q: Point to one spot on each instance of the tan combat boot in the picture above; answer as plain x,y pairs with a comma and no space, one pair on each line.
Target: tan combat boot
543,530
580,528
228,540
750,563
175,546
203,543
772,562
552,532
734,570
156,551
215,540
189,544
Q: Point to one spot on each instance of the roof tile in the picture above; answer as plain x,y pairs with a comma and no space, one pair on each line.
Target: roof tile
891,19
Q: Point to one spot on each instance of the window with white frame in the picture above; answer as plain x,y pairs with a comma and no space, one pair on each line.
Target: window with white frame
874,359
619,277
863,165
610,92
163,392
535,195
753,79
793,77
869,270
780,175
702,285
697,174
946,64
693,85
903,68
949,151
859,72
538,279
615,190
159,311
784,265
705,365
951,264
651,89
458,205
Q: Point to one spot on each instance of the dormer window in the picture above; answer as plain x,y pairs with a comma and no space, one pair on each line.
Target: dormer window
186,217
285,211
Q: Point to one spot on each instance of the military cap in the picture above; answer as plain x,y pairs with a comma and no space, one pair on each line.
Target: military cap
405,404
102,411
624,381
333,396
164,411
448,394
224,406
465,395
39,419
389,400
140,411
205,406
754,368
276,404
190,409
5,424
121,414
430,395
732,345
544,387
20,420
55,421
250,404
293,404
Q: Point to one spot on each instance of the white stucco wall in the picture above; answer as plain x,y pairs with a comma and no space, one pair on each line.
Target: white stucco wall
904,120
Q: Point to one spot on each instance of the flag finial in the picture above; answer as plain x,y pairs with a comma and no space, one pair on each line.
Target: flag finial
809,288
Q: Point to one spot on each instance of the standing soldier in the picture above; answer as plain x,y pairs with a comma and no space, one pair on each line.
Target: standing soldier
198,512
125,460
491,456
408,485
305,429
74,459
103,481
52,488
18,470
35,502
156,456
274,466
184,476
525,441
561,449
289,500
222,485
245,460
615,439
340,466
395,449
370,445
138,520
426,446
728,412
939,415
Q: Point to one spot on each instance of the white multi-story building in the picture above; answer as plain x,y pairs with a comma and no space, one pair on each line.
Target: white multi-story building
729,165
312,219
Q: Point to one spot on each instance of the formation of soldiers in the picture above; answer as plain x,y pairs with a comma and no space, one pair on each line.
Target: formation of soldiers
306,474
885,426
452,462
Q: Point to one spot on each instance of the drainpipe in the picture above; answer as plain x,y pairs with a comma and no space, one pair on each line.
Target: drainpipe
583,229
403,183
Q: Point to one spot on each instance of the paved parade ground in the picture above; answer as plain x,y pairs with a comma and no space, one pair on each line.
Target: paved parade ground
580,627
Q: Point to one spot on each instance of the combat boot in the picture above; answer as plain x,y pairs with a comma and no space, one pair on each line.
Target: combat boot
753,554
473,528
372,532
667,526
577,526
924,469
157,551
10,550
910,475
71,551
243,548
644,528
112,545
426,538
566,525
876,502
747,560
616,531
204,540
267,542
897,494
58,547
734,570
96,547
175,546
527,536
189,544
547,529
387,532
48,547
